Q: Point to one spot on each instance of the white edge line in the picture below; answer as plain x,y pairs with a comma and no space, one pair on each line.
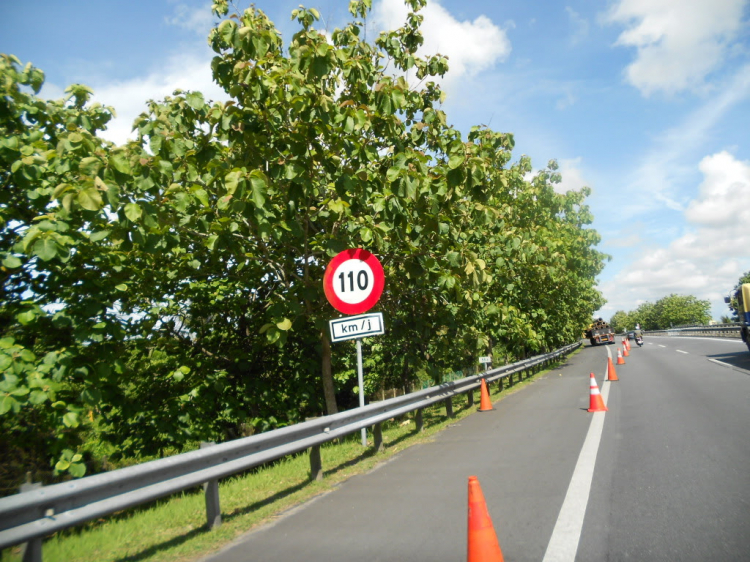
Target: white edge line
680,351
566,535
721,363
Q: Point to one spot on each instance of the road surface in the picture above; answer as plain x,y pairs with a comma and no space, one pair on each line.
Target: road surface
664,474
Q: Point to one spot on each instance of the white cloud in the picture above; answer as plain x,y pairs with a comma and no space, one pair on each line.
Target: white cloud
471,46
679,42
186,71
705,261
200,20
579,26
572,176
657,179
724,194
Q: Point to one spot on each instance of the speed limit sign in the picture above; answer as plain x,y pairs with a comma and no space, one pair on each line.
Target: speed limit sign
353,281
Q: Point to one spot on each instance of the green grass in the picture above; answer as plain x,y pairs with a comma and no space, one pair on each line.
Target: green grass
174,529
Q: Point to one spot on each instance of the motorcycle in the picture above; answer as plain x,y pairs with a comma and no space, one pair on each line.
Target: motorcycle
639,341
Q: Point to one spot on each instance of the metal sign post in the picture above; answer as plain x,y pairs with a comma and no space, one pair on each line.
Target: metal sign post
356,328
361,382
353,283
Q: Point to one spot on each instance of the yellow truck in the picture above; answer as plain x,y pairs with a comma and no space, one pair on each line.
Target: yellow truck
742,299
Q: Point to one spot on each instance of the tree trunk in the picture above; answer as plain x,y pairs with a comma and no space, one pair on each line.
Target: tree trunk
328,388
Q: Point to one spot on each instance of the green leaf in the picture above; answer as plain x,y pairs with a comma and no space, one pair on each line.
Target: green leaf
121,287
118,160
195,100
90,199
7,403
285,324
259,186
89,166
62,465
99,235
91,396
133,211
12,262
455,161
71,420
77,469
45,248
202,196
26,317
38,397
211,241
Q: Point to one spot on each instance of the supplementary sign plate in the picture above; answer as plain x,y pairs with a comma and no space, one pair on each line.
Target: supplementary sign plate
355,327
486,359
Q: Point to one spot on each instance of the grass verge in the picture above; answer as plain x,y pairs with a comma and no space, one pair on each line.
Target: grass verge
174,529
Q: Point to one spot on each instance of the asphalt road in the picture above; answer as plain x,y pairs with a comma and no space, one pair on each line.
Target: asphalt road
671,472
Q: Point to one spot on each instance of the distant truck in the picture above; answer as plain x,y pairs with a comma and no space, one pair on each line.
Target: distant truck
599,332
743,311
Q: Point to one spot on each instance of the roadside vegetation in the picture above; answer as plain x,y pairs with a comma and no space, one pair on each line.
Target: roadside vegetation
169,291
175,530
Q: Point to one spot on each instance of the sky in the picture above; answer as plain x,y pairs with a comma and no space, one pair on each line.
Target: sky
647,102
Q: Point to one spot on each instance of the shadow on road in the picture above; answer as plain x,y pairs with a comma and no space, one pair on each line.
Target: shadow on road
739,359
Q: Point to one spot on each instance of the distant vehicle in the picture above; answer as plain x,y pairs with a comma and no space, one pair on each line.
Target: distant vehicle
599,332
631,335
743,311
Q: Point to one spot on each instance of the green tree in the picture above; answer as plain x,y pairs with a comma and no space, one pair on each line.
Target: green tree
678,310
621,322
170,290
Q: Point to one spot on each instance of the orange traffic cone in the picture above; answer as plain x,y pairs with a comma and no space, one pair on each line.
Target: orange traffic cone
596,402
620,360
627,344
482,542
625,352
611,373
485,404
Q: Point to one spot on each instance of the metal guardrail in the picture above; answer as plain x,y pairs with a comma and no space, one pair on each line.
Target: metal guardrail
33,514
723,331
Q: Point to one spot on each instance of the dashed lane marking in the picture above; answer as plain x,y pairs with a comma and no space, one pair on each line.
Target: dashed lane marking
680,351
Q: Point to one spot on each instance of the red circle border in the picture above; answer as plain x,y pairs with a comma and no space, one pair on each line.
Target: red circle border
378,281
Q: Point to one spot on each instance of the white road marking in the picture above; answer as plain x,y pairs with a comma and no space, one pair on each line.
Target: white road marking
721,363
680,351
660,345
566,535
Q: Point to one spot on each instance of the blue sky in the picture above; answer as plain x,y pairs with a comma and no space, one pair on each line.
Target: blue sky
645,101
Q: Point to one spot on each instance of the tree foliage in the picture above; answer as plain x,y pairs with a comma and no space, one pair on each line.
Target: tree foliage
170,290
667,312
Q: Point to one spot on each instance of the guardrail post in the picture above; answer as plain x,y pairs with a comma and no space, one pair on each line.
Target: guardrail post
470,397
449,407
377,434
211,490
500,383
420,420
316,464
31,551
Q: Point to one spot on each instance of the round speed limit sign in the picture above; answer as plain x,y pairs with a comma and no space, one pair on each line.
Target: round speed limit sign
353,281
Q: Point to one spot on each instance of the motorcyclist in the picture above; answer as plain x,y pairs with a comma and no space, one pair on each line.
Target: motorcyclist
638,337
